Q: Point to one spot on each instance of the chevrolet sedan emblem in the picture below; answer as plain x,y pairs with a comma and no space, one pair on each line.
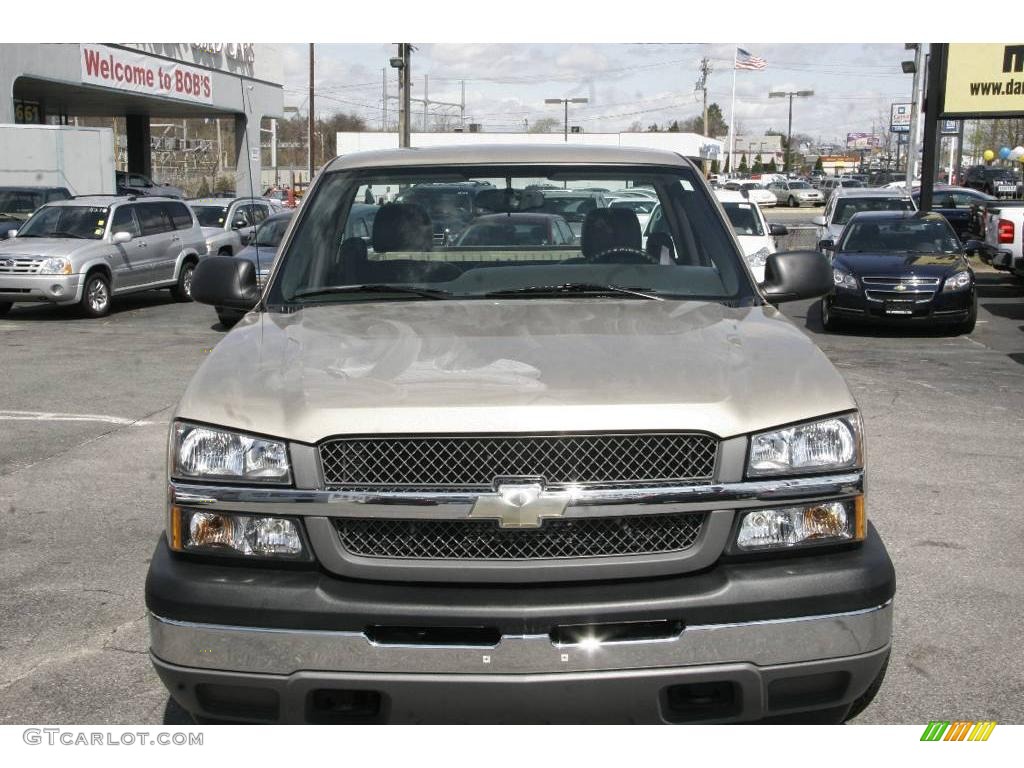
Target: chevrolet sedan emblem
901,287
519,505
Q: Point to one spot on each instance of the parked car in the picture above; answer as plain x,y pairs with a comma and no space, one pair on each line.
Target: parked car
140,185
18,203
755,234
846,201
452,483
87,250
901,267
641,206
260,252
796,193
573,205
755,192
958,205
450,205
517,230
992,180
229,223
1004,229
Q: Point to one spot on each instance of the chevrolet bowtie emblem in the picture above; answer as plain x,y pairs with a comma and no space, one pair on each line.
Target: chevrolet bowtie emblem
901,287
519,504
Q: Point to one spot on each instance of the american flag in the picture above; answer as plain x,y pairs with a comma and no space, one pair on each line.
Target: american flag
744,60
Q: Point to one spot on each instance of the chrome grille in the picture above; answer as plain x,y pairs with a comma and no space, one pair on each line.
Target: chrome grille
917,289
475,462
19,266
484,540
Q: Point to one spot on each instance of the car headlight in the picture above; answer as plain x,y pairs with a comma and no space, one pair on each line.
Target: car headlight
227,533
958,282
816,446
844,280
759,257
55,266
823,522
203,453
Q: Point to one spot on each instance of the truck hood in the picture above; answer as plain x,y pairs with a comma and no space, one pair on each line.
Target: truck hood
532,365
42,247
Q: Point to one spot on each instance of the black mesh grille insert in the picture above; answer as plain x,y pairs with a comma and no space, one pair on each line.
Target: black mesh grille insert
475,462
485,540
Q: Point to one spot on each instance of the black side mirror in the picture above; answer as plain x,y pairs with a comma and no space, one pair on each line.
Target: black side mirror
225,281
791,276
826,245
777,230
977,247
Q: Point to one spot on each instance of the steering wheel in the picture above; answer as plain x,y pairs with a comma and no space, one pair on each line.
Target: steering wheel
622,255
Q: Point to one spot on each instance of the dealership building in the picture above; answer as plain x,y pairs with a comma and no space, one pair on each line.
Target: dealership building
54,83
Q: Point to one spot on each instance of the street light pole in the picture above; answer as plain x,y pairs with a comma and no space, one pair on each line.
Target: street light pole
566,102
789,132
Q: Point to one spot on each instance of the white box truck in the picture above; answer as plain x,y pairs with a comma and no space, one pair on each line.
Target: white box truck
79,159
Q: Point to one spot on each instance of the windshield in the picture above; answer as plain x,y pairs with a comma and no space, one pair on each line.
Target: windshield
76,221
211,215
636,206
745,221
846,207
900,236
799,185
510,246
271,232
21,202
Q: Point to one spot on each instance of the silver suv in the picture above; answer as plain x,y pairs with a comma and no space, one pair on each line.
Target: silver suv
229,223
601,480
86,250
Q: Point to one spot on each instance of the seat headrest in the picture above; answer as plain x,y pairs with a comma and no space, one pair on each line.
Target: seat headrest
605,229
402,227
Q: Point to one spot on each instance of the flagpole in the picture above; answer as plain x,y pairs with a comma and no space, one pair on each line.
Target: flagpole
732,118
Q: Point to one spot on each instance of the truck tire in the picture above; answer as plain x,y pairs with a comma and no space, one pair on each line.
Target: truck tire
5,307
182,291
95,301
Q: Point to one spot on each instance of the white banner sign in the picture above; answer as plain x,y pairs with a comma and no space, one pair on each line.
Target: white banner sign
139,73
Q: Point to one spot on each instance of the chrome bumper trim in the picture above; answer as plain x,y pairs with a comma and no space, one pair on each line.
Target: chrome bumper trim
285,651
580,502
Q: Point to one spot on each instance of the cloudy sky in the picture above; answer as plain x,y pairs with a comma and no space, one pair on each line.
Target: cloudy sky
506,84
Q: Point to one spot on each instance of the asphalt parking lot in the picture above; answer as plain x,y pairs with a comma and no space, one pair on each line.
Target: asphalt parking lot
84,411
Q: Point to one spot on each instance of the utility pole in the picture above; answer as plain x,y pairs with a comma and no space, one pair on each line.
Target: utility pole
915,113
402,64
703,72
426,100
789,132
384,99
566,102
462,107
929,154
312,118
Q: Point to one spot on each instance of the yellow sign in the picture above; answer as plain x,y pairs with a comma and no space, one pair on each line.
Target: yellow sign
984,79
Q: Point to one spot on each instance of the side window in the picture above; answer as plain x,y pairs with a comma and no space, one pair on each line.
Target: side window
124,221
240,217
57,194
180,215
260,213
135,180
565,232
152,218
962,200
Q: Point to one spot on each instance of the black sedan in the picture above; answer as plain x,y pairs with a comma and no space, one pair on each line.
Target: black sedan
901,267
958,205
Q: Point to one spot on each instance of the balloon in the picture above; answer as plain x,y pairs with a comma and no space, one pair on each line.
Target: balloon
1019,151
1004,152
989,155
1014,155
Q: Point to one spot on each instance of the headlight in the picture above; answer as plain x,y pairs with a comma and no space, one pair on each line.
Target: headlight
203,453
817,446
844,280
227,533
759,257
958,282
825,522
55,266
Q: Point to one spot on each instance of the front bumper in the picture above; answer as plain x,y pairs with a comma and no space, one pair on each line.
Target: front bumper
781,634
942,308
58,289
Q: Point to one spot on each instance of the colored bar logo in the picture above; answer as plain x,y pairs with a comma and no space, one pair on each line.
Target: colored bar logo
958,730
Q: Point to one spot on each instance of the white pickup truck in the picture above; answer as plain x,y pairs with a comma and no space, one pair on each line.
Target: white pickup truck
1004,230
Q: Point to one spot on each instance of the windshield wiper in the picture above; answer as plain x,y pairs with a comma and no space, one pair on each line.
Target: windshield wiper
571,288
423,293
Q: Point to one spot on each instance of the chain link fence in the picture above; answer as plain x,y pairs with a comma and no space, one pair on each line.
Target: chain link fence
803,238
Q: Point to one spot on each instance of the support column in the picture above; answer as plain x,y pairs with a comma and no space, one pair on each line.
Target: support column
140,156
248,171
